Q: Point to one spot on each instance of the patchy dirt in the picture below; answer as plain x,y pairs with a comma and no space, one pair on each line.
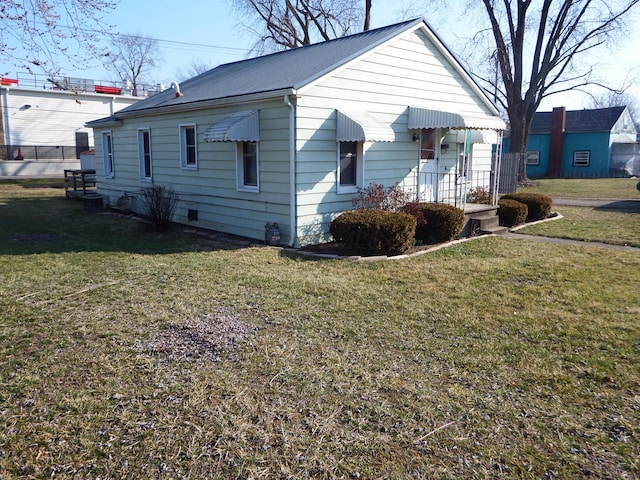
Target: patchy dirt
335,248
208,336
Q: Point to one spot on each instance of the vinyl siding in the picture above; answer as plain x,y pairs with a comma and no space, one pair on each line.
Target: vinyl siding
211,188
407,72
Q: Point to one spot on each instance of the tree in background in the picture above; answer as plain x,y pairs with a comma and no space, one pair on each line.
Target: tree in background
618,99
35,34
537,46
284,24
134,57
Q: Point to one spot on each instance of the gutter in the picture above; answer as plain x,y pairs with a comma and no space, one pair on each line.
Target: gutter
292,170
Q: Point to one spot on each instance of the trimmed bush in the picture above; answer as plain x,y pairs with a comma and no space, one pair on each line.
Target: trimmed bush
374,232
436,222
512,212
539,205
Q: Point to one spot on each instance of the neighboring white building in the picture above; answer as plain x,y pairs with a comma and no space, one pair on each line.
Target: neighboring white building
42,130
290,138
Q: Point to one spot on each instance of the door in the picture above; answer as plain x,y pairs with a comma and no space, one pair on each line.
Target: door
82,143
428,166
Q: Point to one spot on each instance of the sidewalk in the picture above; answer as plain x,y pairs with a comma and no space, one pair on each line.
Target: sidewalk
629,204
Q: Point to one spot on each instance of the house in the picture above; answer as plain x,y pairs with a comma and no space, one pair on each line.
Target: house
289,138
583,143
42,123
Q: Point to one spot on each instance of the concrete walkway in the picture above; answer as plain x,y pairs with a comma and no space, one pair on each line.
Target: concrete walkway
630,204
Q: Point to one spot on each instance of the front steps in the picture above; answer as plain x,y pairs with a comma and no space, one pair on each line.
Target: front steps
482,220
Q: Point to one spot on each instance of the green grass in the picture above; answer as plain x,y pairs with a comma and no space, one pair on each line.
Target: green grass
598,188
616,227
496,358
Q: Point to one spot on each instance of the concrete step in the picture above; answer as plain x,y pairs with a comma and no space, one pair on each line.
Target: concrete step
497,230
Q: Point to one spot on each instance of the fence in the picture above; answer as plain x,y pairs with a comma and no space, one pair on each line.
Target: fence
40,152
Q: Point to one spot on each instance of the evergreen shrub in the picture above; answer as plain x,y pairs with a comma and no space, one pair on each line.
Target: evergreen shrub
436,222
539,205
374,232
512,212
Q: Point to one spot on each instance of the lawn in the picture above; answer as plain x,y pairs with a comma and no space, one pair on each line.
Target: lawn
130,354
591,188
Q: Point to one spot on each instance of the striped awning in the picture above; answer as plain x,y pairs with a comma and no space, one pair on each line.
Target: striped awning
478,136
242,126
354,126
426,118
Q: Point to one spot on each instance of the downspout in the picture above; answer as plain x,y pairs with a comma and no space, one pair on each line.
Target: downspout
6,127
292,171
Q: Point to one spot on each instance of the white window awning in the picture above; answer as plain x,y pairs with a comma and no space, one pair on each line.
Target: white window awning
240,126
478,136
356,126
426,118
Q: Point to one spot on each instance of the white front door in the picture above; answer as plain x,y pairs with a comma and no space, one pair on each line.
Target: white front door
428,166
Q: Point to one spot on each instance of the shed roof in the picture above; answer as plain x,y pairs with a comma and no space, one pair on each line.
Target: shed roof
278,73
580,121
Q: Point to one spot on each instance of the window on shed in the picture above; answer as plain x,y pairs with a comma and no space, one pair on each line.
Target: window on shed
188,147
144,153
247,165
533,158
107,154
581,158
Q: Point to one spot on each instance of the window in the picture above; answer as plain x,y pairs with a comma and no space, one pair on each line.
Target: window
533,158
350,166
188,147
581,158
247,165
107,154
428,144
144,153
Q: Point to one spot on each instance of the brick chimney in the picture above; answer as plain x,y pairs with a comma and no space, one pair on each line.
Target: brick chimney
558,124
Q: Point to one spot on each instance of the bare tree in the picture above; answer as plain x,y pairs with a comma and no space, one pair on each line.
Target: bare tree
284,24
134,57
537,48
196,67
42,33
617,99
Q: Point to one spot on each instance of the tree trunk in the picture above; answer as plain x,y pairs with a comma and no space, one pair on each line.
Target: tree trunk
367,15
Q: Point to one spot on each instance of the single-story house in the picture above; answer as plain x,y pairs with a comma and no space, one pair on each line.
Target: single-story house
583,143
290,138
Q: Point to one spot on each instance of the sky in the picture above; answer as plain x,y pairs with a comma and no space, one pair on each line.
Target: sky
192,31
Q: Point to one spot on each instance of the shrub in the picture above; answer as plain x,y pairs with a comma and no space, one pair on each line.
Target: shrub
539,205
436,222
374,232
376,197
479,195
512,212
159,203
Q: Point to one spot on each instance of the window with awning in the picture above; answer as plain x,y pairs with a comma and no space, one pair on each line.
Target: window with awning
356,126
241,126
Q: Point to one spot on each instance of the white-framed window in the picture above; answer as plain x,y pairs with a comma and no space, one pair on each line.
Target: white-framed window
247,169
581,158
188,146
107,154
144,153
350,166
533,158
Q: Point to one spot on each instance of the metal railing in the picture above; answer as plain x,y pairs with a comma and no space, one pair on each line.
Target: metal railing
80,85
60,153
457,189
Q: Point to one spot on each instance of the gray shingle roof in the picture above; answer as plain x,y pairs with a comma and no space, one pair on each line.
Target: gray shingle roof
272,73
580,121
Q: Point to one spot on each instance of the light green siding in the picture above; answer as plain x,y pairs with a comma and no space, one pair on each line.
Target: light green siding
409,71
211,189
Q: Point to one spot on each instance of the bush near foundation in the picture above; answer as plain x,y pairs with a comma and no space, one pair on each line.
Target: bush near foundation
374,232
539,205
512,212
436,222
